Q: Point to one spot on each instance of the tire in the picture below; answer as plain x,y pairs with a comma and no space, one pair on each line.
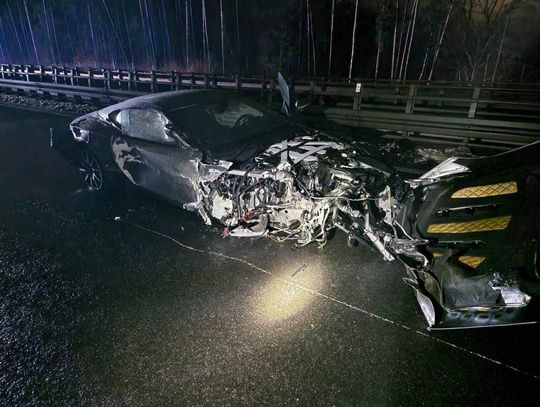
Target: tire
90,170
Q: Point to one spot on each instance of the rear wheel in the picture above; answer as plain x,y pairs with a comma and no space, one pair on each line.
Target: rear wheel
90,170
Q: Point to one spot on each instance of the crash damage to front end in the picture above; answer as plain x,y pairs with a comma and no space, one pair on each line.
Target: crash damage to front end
304,189
466,231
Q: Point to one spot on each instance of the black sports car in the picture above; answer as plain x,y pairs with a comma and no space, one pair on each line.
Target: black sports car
466,231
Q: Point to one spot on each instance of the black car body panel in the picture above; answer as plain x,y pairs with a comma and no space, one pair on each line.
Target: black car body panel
481,228
466,231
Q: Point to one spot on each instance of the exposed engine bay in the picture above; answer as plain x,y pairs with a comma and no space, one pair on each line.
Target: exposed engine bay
303,190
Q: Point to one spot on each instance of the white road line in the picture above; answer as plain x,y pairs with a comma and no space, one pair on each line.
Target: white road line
335,300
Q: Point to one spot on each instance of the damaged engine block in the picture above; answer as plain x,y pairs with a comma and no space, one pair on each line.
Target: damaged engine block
302,190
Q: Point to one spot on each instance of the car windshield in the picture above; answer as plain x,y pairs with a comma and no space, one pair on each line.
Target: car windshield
227,121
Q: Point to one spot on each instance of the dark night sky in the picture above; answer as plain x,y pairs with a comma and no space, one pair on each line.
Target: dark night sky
290,35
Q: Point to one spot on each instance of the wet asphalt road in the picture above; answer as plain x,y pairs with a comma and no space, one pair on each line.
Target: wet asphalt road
98,311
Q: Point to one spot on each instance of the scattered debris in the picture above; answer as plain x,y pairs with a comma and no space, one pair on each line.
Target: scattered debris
299,270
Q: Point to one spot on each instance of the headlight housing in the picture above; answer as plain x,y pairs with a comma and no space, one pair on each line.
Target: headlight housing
81,135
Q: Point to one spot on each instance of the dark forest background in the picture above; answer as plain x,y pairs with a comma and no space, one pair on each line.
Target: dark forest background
467,40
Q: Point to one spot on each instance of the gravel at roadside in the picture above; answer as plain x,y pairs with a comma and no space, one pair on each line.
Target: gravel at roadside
48,105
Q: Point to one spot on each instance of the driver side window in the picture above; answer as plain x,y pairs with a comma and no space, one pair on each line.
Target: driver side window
145,124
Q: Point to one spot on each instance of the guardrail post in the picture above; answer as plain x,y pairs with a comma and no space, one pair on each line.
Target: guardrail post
214,80
130,80
178,81
192,80
237,83
474,102
41,73
312,91
271,92
173,81
323,90
107,77
397,92
441,96
152,81
357,102
27,69
90,75
206,81
409,108
55,74
263,87
2,71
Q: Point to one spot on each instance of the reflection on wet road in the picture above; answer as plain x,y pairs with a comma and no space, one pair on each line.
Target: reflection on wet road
97,311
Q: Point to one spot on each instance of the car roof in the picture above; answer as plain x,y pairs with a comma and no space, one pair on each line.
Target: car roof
170,101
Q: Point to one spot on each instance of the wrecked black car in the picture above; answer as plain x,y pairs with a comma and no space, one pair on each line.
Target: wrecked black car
466,231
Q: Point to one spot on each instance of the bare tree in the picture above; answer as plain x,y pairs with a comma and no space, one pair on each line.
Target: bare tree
15,31
127,35
398,64
187,33
165,26
144,28
192,27
353,39
308,39
92,33
381,27
500,48
206,45
4,53
331,38
47,31
440,40
53,24
151,35
394,40
311,37
222,37
481,25
415,12
237,25
120,42
31,31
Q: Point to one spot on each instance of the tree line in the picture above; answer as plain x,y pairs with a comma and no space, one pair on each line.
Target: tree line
466,40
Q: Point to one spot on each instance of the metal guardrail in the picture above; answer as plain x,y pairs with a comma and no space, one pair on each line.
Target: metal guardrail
477,112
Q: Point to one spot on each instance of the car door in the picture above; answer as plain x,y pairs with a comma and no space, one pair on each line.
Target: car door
153,157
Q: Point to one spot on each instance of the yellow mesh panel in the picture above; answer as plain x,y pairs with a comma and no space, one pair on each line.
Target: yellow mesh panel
481,191
471,261
482,225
